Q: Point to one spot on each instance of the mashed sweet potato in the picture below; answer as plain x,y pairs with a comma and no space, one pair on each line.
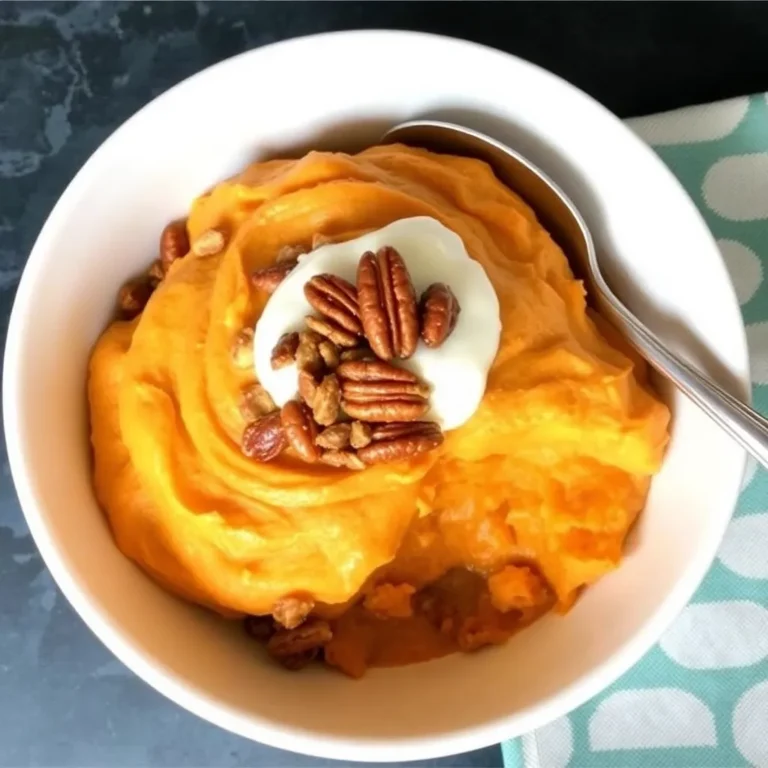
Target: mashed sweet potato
521,507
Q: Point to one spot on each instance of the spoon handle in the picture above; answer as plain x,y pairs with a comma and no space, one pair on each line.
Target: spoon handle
745,425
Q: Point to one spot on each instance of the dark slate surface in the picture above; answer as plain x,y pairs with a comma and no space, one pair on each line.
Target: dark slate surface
69,74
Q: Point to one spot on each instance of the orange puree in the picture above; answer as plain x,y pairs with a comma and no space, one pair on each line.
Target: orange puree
520,508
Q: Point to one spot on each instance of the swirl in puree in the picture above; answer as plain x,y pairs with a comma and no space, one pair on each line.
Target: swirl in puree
526,501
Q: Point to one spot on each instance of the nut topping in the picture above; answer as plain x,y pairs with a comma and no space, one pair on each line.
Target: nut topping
174,243
295,648
378,391
209,243
307,387
308,356
268,278
357,353
255,402
388,310
284,352
402,409
439,310
133,297
394,442
242,349
290,611
265,438
335,437
360,434
330,354
289,254
333,331
343,460
300,432
335,299
327,400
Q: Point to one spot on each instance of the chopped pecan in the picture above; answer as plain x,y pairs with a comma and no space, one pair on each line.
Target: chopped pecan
335,437
319,239
133,297
388,310
343,459
300,430
209,243
255,402
360,434
260,628
308,357
357,353
268,278
330,354
242,349
439,310
336,299
333,331
174,243
307,387
289,254
264,439
294,648
379,391
327,400
284,352
394,442
291,611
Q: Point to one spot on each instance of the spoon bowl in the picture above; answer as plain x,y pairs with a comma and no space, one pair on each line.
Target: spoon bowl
562,219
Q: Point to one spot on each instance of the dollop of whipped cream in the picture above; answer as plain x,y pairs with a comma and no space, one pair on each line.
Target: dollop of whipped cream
456,371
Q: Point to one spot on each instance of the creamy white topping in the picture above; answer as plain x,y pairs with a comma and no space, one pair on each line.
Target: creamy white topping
456,371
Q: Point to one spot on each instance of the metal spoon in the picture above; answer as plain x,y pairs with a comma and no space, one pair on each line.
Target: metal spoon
559,215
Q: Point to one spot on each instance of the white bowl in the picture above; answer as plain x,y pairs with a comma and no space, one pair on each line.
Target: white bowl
342,91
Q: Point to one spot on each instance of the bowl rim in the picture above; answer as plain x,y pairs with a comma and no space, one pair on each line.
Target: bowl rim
253,726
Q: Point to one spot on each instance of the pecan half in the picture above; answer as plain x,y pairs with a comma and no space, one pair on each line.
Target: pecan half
333,331
291,611
388,310
327,399
335,437
439,310
284,352
255,402
360,434
394,442
336,299
300,430
242,349
133,297
268,278
294,648
343,459
401,409
209,243
307,387
264,439
379,391
308,357
174,243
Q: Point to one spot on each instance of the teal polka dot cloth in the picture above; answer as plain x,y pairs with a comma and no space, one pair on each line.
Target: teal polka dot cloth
700,696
